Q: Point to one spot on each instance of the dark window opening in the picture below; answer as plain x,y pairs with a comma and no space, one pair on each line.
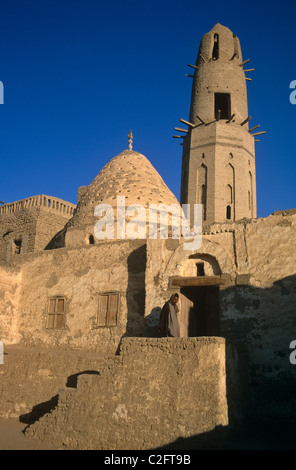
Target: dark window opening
200,269
17,246
222,106
228,212
204,200
91,240
215,54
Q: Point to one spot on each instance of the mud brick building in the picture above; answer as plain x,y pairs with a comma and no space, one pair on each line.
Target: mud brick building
79,315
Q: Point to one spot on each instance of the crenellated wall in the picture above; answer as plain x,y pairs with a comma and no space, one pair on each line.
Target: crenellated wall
30,224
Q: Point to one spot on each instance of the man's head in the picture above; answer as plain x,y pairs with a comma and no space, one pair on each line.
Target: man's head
175,298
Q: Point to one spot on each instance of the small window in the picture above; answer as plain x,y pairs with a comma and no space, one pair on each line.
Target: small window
108,309
222,106
17,246
228,212
91,240
200,269
215,54
204,201
56,312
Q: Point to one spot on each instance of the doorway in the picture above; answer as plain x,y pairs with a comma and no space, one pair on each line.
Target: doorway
200,312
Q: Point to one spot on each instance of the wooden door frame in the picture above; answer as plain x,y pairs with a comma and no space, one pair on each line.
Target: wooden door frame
197,281
180,281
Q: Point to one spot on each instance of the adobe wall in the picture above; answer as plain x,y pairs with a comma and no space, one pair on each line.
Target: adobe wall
30,378
10,279
161,389
226,153
80,275
257,304
22,223
34,225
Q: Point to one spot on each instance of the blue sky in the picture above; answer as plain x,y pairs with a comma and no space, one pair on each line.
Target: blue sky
79,74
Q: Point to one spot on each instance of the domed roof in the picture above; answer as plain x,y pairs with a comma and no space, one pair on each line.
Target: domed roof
129,174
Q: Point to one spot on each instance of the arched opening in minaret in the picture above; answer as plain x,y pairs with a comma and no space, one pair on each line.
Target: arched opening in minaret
222,106
250,194
202,178
184,188
204,200
228,212
215,53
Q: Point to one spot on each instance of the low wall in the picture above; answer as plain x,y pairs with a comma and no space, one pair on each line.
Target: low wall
30,378
159,390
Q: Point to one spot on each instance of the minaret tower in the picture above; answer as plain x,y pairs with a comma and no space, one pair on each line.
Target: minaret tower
218,165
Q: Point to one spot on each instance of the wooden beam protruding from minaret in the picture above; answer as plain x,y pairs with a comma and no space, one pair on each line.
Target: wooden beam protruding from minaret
178,129
243,63
230,119
259,133
188,123
253,128
246,120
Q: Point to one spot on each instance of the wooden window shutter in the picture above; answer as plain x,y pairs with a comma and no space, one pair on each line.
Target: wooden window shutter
103,309
56,310
108,309
113,309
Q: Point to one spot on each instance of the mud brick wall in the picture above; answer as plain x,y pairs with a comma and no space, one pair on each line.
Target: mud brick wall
30,378
161,389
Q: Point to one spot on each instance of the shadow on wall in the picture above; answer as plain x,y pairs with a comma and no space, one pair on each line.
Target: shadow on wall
260,322
135,292
43,408
73,379
268,435
58,241
39,410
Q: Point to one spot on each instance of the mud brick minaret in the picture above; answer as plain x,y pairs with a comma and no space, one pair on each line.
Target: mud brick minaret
218,165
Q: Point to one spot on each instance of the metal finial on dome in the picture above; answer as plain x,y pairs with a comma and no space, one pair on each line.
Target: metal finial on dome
130,140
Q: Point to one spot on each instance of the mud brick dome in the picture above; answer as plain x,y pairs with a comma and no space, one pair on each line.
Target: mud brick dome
129,174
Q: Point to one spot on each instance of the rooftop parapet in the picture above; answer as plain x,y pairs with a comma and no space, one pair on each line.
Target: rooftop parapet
53,204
